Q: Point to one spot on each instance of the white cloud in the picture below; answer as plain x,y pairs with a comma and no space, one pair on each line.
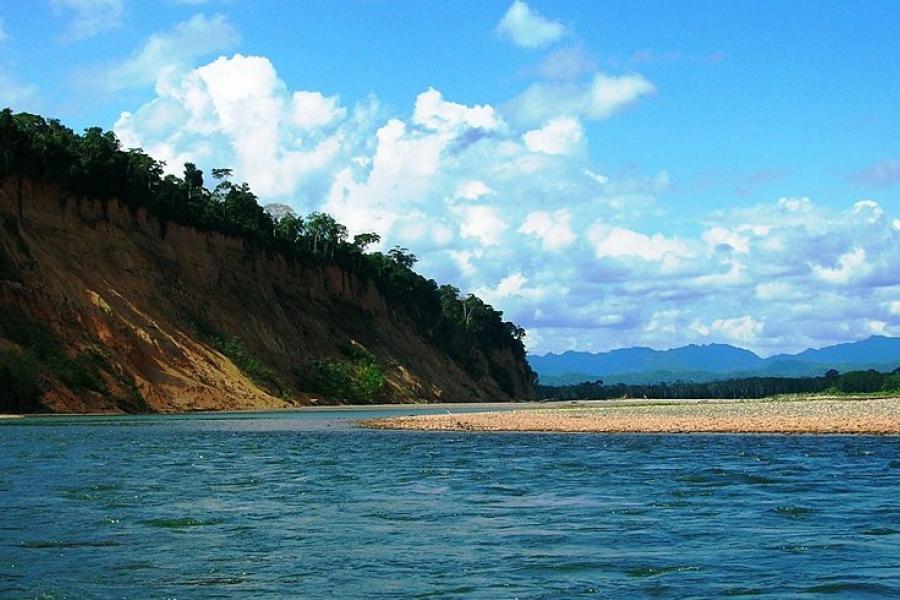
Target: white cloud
482,223
90,17
165,55
558,136
312,110
435,113
850,265
775,290
735,275
894,308
236,112
512,286
877,327
617,242
473,190
553,229
459,185
718,236
599,178
609,93
740,329
526,28
598,99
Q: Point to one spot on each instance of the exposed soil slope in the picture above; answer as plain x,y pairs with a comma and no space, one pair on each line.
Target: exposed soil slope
141,299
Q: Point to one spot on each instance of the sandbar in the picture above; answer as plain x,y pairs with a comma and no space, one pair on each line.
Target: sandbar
879,416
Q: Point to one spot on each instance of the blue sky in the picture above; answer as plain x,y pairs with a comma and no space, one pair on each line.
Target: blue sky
608,174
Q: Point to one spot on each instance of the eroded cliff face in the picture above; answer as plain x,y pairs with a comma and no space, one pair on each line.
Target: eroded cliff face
138,296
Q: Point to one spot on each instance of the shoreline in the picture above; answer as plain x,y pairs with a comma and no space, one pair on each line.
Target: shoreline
868,416
468,406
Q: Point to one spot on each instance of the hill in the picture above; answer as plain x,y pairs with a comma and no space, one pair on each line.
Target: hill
124,290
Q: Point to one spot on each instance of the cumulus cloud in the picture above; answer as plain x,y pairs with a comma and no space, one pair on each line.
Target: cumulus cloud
483,223
233,112
437,114
512,286
526,28
882,173
719,236
473,190
617,242
166,54
557,136
850,266
598,99
553,229
739,329
90,17
312,110
576,254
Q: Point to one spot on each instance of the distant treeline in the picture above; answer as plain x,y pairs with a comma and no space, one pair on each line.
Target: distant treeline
864,382
93,165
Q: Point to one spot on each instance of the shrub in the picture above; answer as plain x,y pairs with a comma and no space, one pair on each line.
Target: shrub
359,379
257,371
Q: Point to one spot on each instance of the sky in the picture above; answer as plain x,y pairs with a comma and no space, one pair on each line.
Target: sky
608,174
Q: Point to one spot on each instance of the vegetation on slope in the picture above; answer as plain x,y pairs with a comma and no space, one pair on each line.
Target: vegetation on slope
358,377
94,165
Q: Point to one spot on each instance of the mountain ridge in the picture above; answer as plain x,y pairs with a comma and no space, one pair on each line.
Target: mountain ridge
705,362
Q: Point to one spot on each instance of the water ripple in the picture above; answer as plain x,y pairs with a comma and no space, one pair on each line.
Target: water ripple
302,504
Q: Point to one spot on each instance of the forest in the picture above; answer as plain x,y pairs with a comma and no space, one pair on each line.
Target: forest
832,382
94,165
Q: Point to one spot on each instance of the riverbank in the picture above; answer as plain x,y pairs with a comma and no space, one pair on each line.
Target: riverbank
316,408
780,415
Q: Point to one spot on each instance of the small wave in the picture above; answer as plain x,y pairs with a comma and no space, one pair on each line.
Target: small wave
179,523
795,512
41,544
880,531
742,592
207,581
842,587
654,571
89,493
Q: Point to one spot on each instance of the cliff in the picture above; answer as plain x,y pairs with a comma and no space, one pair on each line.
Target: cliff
138,315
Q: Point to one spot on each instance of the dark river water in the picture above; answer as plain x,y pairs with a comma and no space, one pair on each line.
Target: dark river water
286,505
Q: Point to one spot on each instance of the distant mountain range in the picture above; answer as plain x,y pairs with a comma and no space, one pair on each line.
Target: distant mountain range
712,361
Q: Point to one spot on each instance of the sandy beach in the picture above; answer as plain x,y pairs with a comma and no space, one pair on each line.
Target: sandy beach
829,415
